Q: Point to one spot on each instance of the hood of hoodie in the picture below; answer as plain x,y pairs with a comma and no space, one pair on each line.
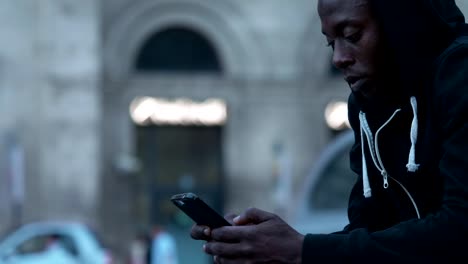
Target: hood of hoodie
416,32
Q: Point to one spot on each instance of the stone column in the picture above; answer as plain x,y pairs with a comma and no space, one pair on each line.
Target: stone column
19,91
68,60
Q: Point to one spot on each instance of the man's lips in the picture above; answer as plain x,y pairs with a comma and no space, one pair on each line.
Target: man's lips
355,82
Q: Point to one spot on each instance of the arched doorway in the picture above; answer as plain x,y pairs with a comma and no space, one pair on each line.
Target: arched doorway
176,50
177,155
237,56
178,149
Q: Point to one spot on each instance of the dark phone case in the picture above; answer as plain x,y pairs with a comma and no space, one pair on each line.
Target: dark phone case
198,210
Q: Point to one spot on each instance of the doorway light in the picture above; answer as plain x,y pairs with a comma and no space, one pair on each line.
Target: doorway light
336,115
181,111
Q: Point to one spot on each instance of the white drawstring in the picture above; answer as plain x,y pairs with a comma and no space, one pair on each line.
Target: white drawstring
365,177
374,150
412,166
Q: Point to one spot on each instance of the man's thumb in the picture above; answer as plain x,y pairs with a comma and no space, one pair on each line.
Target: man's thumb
252,216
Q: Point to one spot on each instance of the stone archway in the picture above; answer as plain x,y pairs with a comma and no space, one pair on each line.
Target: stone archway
240,54
219,21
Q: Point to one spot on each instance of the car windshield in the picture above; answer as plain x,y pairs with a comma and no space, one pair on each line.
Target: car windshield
97,237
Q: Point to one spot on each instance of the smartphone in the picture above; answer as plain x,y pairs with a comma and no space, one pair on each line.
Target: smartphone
198,210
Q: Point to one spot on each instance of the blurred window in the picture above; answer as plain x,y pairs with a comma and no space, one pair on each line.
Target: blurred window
97,237
178,50
68,244
33,245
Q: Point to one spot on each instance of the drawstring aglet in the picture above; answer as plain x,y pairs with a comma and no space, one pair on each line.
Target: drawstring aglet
412,167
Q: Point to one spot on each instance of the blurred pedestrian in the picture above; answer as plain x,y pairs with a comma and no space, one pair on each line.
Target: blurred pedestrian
406,62
163,247
139,249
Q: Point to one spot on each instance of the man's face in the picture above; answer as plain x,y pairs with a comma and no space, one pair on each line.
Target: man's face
353,34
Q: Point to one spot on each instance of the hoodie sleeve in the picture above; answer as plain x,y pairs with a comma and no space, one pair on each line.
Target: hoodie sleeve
438,236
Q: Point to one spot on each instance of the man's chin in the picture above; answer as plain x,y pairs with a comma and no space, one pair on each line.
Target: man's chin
366,90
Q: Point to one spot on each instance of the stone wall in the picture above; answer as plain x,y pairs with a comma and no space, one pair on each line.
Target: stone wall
49,85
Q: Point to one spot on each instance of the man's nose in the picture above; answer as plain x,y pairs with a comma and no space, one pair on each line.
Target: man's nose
342,58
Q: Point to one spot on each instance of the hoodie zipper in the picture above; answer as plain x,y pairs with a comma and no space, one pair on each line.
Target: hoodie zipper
375,154
374,146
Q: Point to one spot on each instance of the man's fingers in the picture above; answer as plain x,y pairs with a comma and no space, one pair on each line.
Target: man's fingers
252,216
199,232
230,218
221,260
230,233
226,250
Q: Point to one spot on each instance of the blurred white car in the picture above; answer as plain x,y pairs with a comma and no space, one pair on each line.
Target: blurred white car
321,203
53,243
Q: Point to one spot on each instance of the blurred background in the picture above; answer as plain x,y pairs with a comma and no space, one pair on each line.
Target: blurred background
109,107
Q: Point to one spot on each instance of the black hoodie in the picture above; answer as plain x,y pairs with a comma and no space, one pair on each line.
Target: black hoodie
421,216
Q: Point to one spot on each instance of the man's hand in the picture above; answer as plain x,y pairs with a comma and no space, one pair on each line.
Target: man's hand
256,237
200,232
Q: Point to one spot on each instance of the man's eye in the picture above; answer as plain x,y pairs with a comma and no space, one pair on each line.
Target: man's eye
353,38
331,44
